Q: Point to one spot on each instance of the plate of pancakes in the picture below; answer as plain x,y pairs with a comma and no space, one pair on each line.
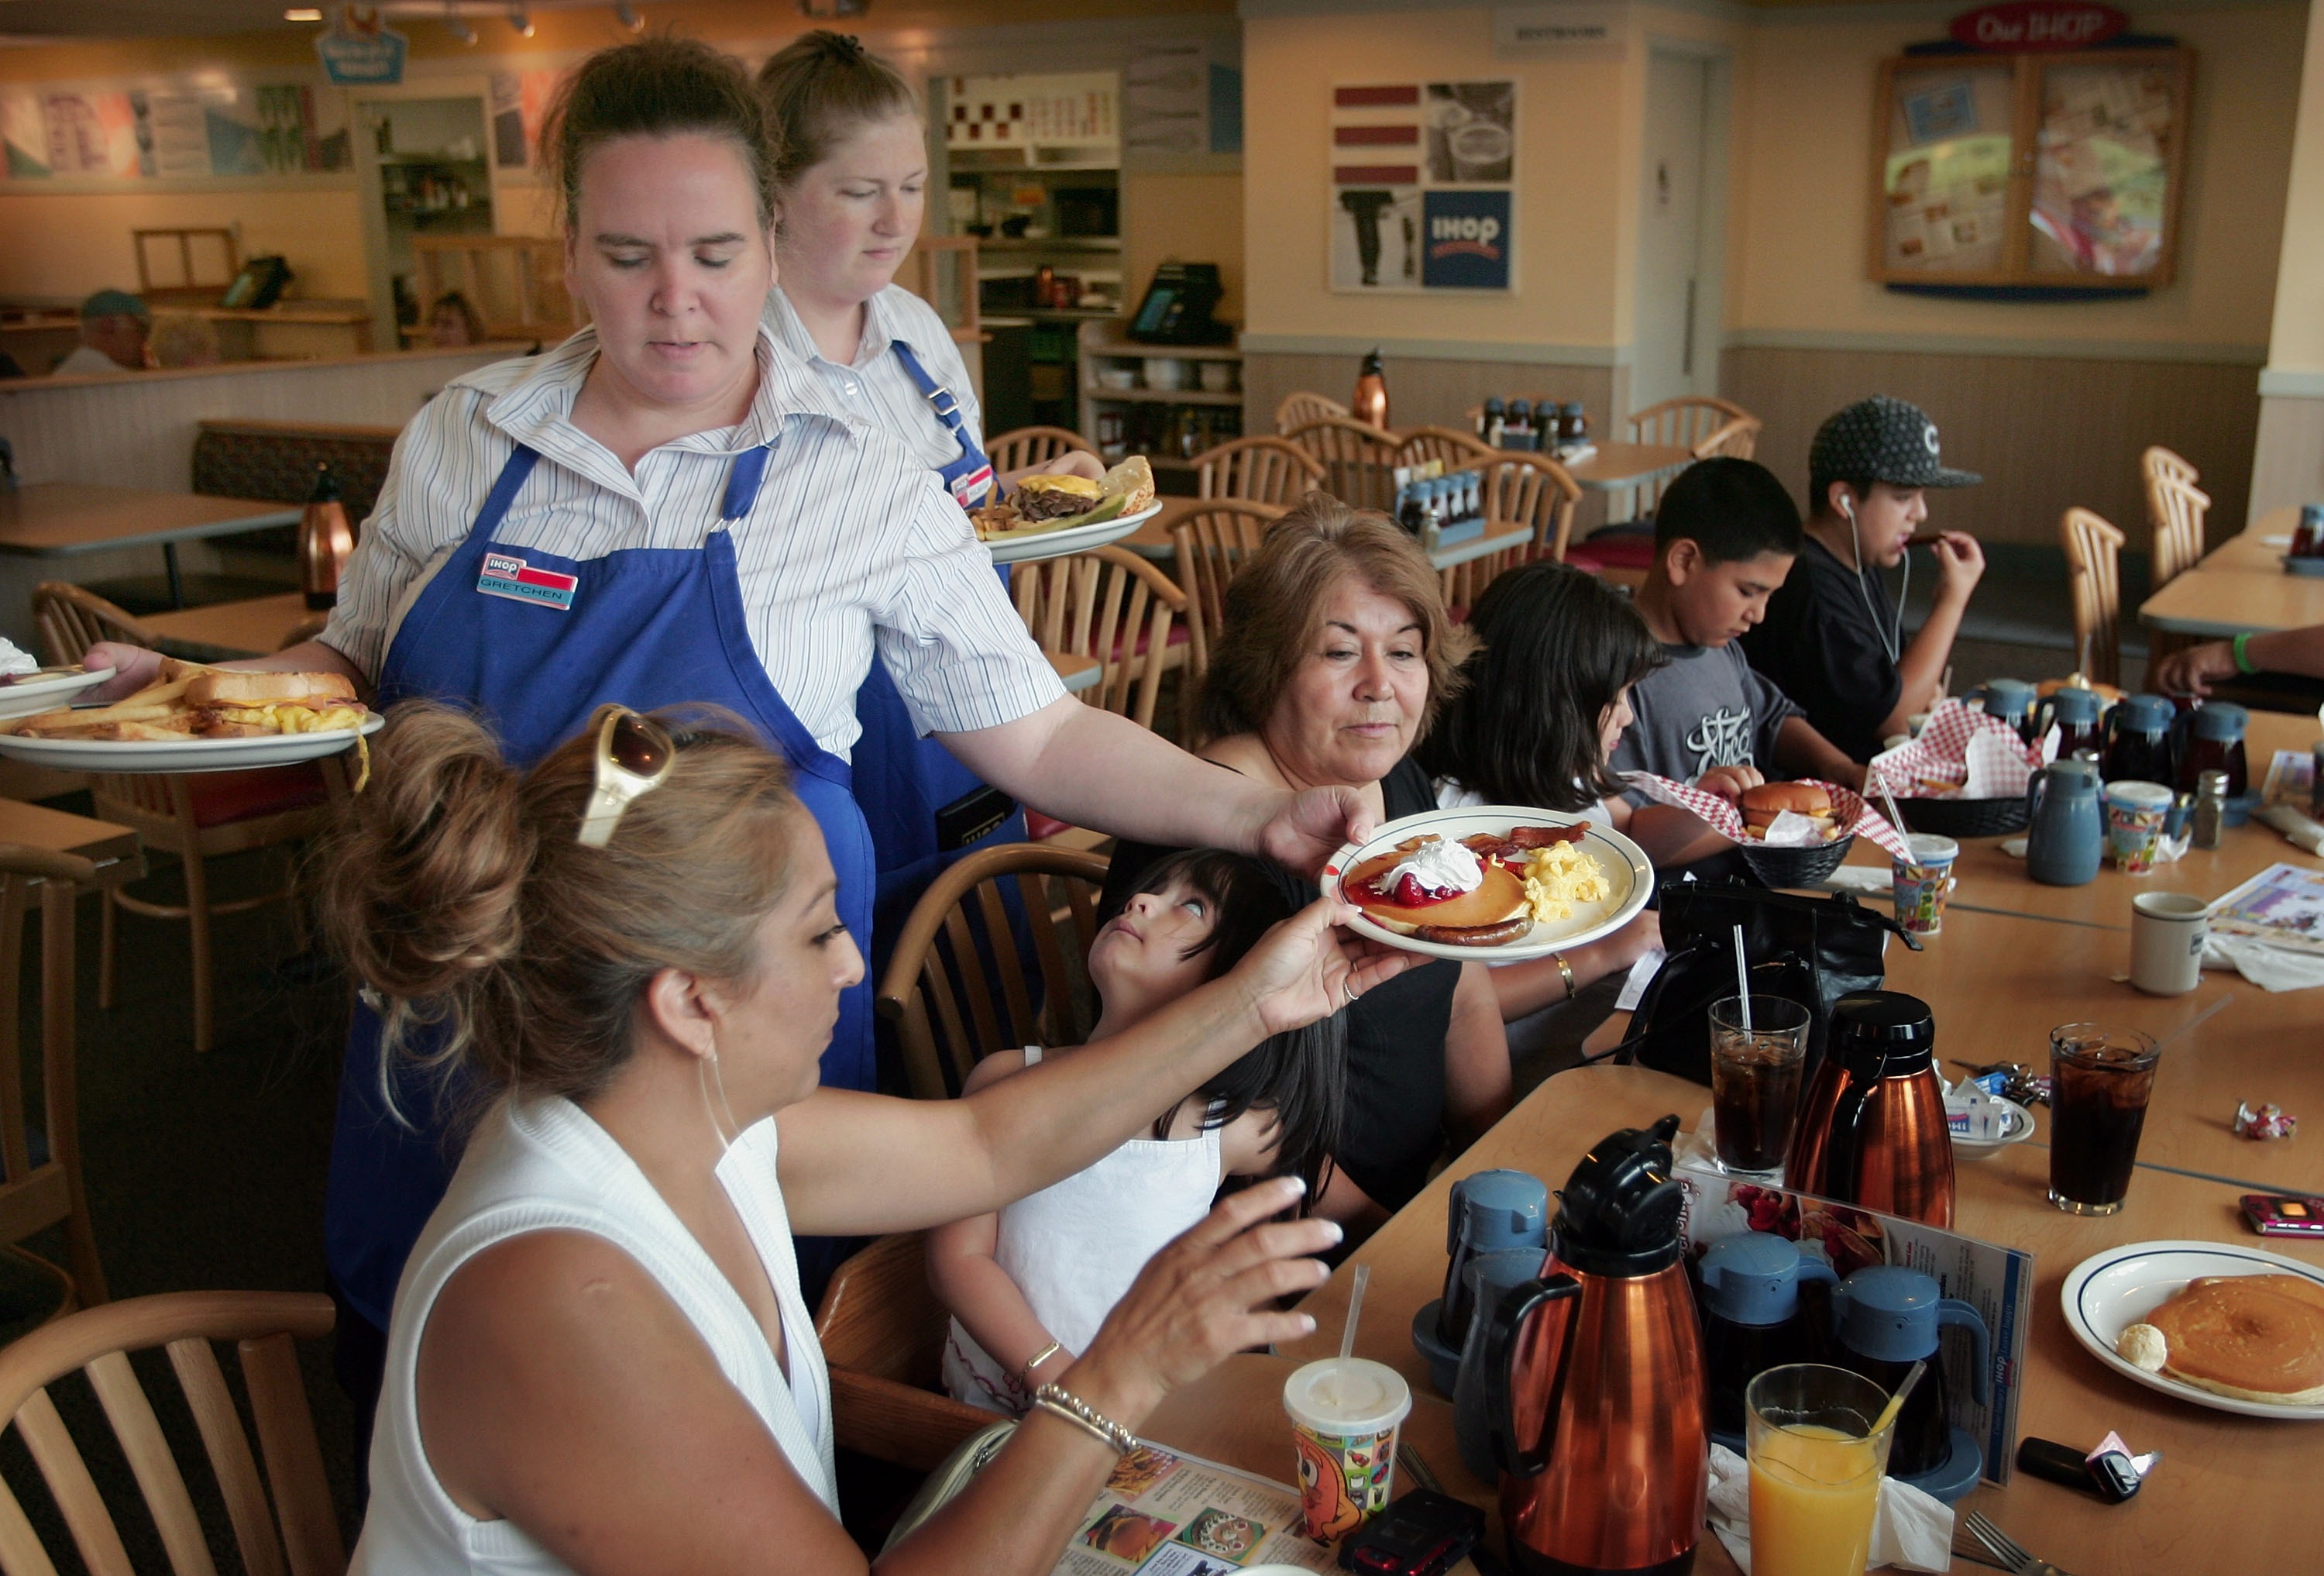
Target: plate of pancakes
2222,1326
1496,883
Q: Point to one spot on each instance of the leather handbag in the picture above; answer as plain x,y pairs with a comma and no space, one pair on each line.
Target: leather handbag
1809,950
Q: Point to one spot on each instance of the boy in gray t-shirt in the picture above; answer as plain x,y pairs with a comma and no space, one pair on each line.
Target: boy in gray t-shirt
1725,536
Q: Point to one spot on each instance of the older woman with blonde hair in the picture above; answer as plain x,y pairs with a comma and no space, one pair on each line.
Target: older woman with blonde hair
1336,657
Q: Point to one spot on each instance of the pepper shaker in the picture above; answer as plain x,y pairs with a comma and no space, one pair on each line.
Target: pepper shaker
2211,808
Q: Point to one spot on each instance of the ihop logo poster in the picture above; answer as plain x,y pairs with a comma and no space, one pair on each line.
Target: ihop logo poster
1464,240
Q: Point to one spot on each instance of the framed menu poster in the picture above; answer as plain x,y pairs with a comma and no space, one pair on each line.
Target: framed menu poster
2031,170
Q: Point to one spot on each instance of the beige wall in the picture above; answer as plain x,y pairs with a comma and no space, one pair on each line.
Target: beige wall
1796,237
2288,458
67,246
1193,218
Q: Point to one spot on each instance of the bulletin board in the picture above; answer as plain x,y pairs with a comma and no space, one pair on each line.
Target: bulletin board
2031,170
1424,183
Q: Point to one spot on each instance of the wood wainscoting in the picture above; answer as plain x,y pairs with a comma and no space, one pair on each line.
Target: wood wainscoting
2045,431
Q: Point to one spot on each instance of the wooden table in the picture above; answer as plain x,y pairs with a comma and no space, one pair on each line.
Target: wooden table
1619,465
255,628
1076,671
57,519
113,850
2240,587
2229,1489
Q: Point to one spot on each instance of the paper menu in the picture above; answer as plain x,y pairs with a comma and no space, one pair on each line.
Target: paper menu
1163,1514
2283,905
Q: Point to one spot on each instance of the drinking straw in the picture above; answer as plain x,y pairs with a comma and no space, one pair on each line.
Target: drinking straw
1742,979
1897,1402
1895,816
1355,1310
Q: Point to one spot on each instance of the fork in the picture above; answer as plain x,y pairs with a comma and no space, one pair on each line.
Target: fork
2012,1553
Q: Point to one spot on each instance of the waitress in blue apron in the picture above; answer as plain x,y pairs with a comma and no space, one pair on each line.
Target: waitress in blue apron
669,508
852,170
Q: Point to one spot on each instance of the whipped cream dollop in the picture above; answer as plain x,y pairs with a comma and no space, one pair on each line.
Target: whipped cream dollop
14,660
1440,865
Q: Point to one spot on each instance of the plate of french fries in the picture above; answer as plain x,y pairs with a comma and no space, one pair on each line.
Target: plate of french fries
46,688
197,718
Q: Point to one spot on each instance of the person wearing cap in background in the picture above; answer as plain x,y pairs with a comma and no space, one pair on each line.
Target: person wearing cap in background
1833,639
113,326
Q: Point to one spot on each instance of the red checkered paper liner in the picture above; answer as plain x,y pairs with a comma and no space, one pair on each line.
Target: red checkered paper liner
1855,819
1941,754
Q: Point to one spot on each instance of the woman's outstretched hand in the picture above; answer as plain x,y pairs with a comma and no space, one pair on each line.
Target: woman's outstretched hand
1209,1295
134,667
1305,968
1308,828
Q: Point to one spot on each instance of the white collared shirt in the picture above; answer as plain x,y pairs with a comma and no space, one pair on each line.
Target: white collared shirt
853,548
875,385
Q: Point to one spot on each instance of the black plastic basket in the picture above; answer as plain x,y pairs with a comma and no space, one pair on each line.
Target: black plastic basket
1795,867
1964,817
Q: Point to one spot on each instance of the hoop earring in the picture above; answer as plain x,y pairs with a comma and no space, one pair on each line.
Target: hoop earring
705,1071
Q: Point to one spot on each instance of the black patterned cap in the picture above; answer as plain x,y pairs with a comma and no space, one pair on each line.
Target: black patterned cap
1886,440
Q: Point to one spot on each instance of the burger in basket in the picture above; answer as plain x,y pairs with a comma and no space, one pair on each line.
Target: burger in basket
1808,802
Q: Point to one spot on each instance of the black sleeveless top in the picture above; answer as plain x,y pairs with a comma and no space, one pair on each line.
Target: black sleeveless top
1393,1125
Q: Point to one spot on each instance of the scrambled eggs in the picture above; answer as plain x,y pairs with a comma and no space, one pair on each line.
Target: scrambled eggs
295,719
1558,877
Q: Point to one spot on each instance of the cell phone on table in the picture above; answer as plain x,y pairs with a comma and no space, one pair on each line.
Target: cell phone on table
1421,1533
2284,1214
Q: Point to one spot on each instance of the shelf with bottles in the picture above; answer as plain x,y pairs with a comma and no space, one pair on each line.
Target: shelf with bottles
1170,436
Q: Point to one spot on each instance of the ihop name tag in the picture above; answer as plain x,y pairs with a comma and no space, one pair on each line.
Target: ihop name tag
519,582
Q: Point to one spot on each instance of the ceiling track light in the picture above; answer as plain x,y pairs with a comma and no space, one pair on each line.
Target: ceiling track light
302,14
457,25
627,15
521,19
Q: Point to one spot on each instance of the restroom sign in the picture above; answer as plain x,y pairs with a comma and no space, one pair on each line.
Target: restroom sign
1465,239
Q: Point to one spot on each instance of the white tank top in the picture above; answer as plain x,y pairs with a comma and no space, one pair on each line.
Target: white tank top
1074,1248
545,1166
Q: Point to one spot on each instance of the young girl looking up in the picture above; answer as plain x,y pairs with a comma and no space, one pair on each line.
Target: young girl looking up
1547,698
1029,1284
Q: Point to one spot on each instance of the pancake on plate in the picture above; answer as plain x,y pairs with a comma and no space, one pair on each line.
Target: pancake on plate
1482,891
2254,1337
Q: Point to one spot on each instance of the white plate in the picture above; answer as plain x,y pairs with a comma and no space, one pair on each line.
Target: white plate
1627,867
2017,1126
144,755
47,691
1076,538
2121,1285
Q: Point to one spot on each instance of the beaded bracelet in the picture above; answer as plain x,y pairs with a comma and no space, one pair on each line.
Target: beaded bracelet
1063,1403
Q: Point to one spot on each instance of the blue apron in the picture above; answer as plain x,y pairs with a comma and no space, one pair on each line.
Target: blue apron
923,807
536,643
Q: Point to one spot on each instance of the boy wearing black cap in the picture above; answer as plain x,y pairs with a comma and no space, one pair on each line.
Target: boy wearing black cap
1833,639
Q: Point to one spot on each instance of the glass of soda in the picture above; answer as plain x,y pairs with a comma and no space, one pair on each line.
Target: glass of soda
1755,1082
2100,1081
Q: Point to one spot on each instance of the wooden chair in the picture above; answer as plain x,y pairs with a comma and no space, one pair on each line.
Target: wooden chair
1299,407
1256,470
34,1196
197,817
1210,544
938,987
1026,447
882,1332
1707,427
1115,607
1458,451
2176,509
1358,458
2093,560
2159,461
283,1522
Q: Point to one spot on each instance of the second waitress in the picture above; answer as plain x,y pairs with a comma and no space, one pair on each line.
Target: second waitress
851,181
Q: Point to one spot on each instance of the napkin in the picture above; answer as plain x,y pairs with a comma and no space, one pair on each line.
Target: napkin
1642,974
1868,878
2271,968
1912,1531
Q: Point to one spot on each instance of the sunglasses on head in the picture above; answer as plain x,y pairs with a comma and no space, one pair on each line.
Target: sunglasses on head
635,754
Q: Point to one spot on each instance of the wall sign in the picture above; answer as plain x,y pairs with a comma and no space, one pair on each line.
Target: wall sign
2017,26
171,129
360,51
1423,180
1577,24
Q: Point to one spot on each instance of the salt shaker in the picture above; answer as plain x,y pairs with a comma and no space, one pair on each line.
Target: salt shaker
2211,808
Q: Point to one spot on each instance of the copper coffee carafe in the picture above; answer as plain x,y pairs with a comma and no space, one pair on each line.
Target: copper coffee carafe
1871,1127
1595,1378
325,542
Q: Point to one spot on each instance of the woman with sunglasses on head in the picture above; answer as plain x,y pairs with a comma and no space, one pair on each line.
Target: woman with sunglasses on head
600,1358
669,508
850,177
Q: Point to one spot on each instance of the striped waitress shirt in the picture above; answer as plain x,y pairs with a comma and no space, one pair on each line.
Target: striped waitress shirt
852,550
875,385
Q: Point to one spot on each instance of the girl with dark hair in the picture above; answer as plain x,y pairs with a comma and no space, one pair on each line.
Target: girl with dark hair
1029,1284
1546,699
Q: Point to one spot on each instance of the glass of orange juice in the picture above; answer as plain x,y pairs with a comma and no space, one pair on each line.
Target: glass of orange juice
1816,1465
